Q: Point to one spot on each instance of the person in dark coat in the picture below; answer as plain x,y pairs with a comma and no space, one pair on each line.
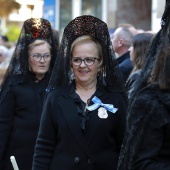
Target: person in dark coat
23,90
138,53
146,143
121,41
83,119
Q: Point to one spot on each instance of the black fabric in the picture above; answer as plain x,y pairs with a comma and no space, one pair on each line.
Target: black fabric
125,65
131,82
146,142
20,114
67,146
83,113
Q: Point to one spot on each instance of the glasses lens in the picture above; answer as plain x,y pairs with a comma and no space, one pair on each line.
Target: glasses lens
89,61
37,57
76,61
46,57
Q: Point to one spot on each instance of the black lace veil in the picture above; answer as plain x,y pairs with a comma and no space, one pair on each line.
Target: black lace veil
87,25
33,28
137,119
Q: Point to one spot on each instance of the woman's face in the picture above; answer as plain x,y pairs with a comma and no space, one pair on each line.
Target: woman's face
39,66
85,74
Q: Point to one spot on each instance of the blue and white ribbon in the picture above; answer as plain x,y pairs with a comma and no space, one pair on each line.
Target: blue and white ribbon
97,102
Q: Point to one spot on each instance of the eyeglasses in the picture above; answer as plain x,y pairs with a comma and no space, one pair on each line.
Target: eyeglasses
87,61
38,57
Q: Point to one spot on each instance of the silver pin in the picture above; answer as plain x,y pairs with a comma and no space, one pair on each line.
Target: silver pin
102,113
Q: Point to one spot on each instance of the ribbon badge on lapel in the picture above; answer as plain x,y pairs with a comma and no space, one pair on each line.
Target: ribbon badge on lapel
102,111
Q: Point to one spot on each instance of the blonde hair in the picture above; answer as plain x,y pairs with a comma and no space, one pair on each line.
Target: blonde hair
37,43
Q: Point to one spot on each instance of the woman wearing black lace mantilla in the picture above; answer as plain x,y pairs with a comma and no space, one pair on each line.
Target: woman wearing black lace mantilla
23,90
146,144
83,120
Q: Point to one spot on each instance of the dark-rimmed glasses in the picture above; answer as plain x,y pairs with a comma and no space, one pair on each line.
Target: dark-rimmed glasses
38,57
87,61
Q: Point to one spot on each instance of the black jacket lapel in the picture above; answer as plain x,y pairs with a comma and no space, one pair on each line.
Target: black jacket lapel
70,112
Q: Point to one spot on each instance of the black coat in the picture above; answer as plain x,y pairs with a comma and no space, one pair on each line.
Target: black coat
62,145
125,65
20,114
147,138
131,82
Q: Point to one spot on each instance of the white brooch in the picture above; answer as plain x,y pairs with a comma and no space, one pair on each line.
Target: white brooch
102,113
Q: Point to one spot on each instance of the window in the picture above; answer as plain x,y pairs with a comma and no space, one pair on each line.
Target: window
92,7
65,13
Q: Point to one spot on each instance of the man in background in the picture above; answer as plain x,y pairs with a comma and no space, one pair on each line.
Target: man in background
121,41
4,41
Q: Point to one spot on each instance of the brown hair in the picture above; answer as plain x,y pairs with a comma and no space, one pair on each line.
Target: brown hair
141,44
160,73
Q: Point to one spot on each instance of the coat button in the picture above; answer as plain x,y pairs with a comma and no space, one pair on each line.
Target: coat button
76,159
89,161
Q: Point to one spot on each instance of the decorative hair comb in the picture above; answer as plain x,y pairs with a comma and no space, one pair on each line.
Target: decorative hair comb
37,28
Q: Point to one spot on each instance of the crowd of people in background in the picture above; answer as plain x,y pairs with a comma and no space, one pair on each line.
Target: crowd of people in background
92,101
6,52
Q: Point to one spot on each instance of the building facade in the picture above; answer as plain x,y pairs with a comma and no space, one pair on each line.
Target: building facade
143,14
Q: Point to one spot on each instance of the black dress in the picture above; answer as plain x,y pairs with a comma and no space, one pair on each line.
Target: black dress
125,65
20,113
